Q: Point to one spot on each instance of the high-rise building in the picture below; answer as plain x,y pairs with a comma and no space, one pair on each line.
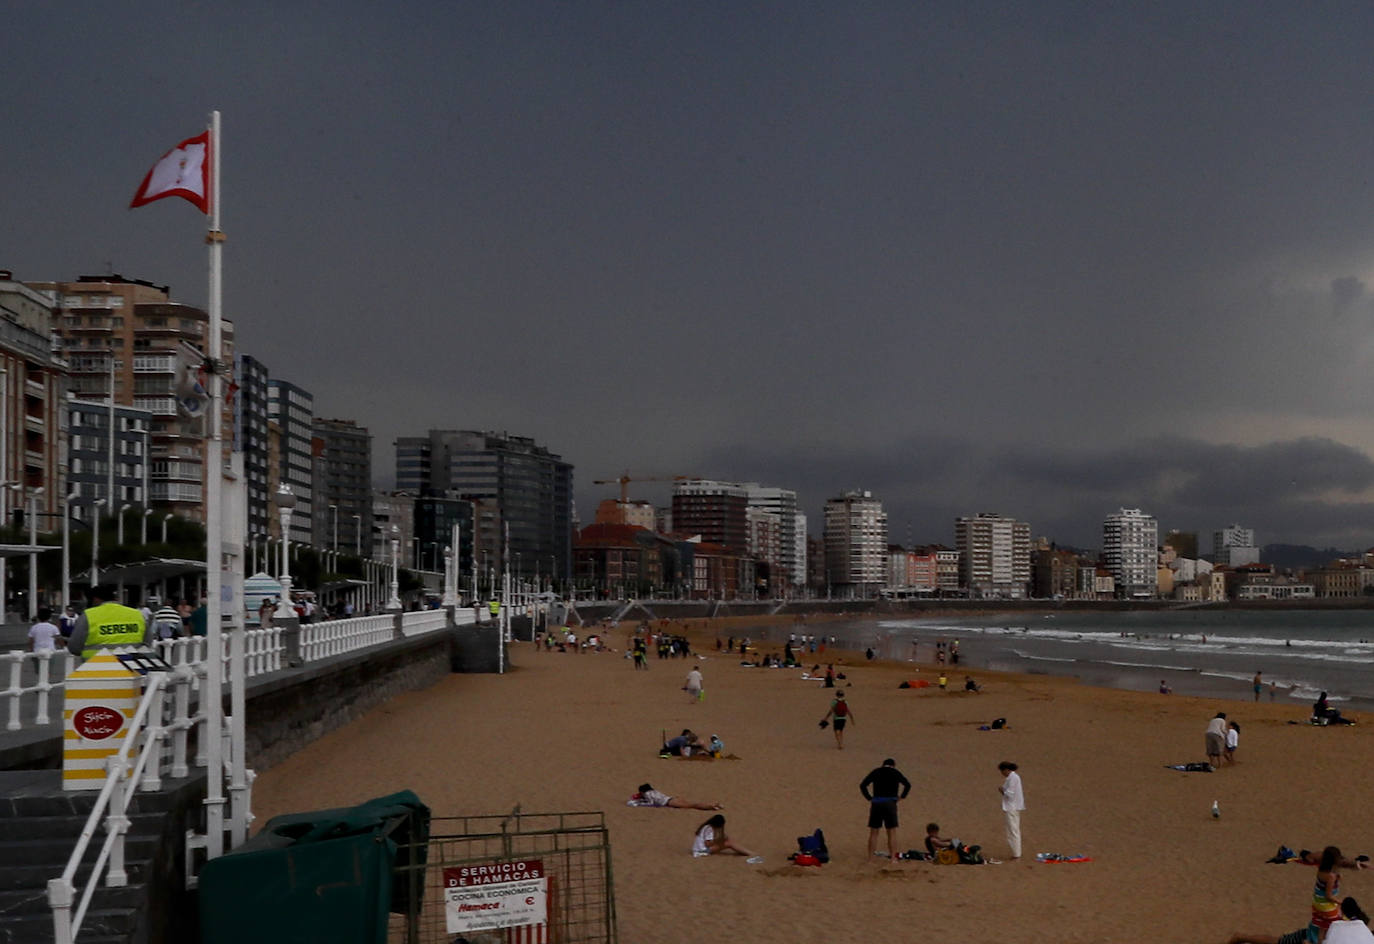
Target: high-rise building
130,334
250,437
1234,546
88,456
855,543
293,409
32,387
343,489
719,512
393,518
531,486
1130,550
994,556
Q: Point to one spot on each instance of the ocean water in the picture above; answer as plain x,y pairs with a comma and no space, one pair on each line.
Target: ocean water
1212,652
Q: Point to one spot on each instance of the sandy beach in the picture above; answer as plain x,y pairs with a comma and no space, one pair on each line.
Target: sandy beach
581,732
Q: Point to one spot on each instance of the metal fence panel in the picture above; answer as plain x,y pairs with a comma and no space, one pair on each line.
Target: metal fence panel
576,853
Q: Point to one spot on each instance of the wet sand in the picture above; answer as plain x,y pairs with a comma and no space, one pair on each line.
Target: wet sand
577,732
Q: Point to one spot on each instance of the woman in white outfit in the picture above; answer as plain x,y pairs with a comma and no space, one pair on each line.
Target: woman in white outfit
1013,802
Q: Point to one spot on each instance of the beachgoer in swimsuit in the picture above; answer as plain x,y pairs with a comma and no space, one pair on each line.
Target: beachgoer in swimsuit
648,796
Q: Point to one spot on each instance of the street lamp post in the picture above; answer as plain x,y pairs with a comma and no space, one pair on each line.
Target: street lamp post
33,555
357,535
67,546
394,601
285,500
122,508
143,530
334,545
165,519
95,541
449,598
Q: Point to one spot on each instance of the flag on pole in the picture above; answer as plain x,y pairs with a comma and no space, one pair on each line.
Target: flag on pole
184,171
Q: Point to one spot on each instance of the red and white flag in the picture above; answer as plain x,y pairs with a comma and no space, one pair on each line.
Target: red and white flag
184,171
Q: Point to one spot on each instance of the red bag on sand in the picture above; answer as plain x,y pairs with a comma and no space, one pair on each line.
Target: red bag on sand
805,858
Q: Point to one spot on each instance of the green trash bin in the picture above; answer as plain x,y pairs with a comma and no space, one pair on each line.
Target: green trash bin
330,876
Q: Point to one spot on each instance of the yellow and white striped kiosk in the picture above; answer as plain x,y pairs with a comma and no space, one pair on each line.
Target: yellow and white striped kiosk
101,700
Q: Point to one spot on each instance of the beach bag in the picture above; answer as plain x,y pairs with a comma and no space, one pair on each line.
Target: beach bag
970,855
813,845
999,723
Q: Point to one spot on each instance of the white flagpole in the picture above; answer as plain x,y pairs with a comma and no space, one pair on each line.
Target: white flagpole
214,552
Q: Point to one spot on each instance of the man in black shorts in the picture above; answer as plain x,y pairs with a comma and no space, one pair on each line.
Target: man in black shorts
883,788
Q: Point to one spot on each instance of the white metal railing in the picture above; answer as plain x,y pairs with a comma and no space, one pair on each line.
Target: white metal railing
322,640
263,651
464,615
143,770
422,621
50,671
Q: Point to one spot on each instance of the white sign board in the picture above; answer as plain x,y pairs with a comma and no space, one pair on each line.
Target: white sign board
495,895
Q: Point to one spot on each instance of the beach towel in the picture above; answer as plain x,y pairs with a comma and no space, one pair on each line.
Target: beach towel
1199,767
1052,858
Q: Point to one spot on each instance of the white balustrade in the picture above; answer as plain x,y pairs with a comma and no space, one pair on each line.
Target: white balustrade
322,640
422,621
48,672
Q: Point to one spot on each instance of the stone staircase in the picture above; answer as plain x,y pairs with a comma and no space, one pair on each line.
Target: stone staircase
39,827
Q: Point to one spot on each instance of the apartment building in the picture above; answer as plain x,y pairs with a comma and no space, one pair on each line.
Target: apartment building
994,556
1130,550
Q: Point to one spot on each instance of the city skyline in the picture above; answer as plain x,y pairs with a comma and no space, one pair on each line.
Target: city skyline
1045,262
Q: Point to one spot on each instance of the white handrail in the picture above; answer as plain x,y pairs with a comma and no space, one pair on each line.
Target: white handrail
42,687
115,794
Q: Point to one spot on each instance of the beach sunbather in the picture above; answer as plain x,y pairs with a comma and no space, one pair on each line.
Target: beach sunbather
710,839
648,796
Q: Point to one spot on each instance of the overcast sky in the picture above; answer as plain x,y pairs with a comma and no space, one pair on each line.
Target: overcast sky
1041,259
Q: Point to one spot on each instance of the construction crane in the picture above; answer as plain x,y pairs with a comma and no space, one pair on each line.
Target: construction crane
624,482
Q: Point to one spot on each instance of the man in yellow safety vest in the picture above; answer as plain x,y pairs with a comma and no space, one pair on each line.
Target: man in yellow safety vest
107,623
494,607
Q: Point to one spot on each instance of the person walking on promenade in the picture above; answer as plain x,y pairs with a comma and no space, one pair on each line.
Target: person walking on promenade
884,788
1013,802
841,713
1216,739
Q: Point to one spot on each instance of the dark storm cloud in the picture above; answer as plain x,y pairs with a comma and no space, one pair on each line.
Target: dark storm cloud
1186,484
939,243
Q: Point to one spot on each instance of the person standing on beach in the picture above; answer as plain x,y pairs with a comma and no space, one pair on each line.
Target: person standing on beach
842,714
884,788
1216,739
1013,802
693,686
1257,684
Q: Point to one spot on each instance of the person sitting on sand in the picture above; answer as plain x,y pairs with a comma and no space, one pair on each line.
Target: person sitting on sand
684,745
648,796
1324,713
970,685
1164,688
1353,926
1326,907
710,839
934,841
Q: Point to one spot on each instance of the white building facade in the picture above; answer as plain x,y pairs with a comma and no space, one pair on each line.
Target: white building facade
1234,546
1130,549
855,543
994,556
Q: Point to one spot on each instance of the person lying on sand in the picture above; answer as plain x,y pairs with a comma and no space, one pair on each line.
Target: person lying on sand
648,796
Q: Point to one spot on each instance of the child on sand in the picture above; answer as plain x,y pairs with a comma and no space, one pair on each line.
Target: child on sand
842,713
1232,741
